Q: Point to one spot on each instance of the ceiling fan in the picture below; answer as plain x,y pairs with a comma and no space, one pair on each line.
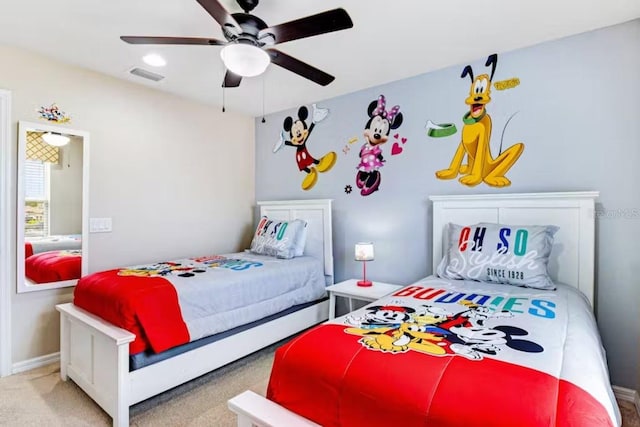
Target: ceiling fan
249,49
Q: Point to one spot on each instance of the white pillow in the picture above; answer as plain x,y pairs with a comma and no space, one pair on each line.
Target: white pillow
301,241
277,238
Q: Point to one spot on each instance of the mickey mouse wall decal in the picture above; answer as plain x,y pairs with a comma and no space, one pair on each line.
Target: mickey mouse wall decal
296,134
480,165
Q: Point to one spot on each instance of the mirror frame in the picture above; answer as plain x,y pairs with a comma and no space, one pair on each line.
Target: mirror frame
23,128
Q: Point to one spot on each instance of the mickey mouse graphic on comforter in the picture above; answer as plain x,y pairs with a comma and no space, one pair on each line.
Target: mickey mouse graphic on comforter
452,353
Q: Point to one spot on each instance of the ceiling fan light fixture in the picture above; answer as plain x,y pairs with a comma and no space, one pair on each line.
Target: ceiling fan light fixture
55,139
245,60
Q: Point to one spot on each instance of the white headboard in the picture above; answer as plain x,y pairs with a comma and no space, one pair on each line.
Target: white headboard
317,213
572,257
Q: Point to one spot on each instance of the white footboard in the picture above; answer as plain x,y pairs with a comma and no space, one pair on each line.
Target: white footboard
95,355
255,410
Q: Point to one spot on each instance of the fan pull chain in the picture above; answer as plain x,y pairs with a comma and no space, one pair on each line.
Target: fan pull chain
263,120
223,101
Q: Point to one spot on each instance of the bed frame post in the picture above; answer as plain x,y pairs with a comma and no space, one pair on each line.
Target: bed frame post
244,421
254,410
121,415
95,355
65,346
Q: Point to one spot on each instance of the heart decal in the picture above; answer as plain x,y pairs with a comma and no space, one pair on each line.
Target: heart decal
396,136
396,149
404,140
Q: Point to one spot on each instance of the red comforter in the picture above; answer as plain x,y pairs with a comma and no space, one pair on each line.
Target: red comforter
329,378
28,249
170,303
444,355
145,306
54,266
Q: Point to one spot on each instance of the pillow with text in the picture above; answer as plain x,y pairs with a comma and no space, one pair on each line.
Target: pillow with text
282,239
499,253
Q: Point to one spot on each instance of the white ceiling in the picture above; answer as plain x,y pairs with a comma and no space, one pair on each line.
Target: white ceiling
390,40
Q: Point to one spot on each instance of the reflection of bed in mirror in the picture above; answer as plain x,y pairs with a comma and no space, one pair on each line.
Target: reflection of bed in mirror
52,258
53,205
36,245
53,266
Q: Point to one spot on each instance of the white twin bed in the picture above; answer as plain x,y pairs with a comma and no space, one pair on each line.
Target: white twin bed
95,354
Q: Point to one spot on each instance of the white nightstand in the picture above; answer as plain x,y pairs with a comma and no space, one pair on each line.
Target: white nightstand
349,289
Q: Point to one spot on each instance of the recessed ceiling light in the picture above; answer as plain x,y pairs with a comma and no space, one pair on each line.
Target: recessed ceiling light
154,60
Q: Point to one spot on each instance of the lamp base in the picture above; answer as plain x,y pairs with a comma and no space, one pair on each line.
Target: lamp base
364,283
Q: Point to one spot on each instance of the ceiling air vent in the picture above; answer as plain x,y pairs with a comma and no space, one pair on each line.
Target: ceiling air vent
140,72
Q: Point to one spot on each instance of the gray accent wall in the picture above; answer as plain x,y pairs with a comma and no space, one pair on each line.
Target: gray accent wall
578,114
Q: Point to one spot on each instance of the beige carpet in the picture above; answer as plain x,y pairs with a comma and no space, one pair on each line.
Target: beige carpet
40,398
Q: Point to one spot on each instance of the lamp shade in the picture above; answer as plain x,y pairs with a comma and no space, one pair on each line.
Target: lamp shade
245,60
364,251
55,139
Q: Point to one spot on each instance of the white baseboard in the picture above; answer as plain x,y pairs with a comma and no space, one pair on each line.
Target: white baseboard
36,362
628,395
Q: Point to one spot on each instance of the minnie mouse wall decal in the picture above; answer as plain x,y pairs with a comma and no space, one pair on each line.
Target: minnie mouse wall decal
376,133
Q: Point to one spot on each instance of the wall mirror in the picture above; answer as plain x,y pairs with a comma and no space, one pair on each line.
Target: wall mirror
53,202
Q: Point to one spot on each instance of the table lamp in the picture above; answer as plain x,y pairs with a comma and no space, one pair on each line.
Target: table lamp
364,253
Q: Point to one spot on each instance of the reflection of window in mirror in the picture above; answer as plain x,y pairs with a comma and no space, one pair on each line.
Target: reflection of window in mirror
52,184
36,198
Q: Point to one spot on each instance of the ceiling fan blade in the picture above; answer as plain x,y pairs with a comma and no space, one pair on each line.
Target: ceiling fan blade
172,40
219,13
325,22
300,68
231,80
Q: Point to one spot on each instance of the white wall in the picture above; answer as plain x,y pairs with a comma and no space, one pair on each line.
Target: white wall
65,199
176,177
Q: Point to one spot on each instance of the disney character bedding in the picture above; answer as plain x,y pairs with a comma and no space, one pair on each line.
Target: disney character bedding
54,266
452,353
172,303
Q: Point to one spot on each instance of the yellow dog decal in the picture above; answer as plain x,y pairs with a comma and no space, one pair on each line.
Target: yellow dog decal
400,339
476,136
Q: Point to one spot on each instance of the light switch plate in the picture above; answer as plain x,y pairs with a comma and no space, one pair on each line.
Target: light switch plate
100,225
